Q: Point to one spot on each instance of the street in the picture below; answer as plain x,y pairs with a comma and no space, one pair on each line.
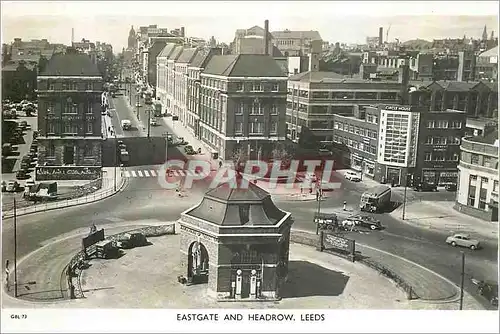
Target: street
143,198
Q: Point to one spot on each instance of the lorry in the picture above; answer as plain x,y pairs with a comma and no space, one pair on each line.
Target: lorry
376,199
158,110
326,221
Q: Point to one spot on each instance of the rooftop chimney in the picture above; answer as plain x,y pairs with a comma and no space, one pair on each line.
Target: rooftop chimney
266,37
380,36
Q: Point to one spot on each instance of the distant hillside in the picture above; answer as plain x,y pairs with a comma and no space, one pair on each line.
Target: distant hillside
418,44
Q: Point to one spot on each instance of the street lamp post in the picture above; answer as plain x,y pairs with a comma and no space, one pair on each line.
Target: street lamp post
149,121
462,282
15,248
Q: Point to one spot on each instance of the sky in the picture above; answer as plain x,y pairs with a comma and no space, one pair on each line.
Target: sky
347,22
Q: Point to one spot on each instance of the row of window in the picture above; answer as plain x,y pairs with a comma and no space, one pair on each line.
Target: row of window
442,140
344,95
70,85
239,86
355,129
256,128
256,108
88,151
487,161
441,156
483,191
443,124
372,149
69,128
70,108
256,87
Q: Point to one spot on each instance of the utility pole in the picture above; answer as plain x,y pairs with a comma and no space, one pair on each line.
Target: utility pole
462,282
404,195
149,121
15,248
117,148
137,106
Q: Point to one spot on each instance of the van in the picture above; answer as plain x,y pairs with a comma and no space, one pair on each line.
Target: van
126,124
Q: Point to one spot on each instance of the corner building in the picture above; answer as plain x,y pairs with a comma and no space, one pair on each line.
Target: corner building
69,118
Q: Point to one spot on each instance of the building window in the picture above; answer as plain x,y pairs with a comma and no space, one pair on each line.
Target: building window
50,108
73,86
455,157
456,125
484,180
64,86
428,140
51,150
274,109
442,124
495,187
474,159
51,128
257,109
240,109
257,87
90,128
428,156
238,128
71,108
471,200
256,128
68,128
336,125
274,128
89,150
430,124
276,87
51,85
89,108
89,86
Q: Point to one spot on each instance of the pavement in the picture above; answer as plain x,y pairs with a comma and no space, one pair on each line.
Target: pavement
441,215
316,280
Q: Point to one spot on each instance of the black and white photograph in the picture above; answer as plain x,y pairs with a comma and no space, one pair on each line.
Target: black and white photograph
249,166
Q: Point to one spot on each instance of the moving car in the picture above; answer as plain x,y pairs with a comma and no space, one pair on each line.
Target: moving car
362,221
126,124
22,175
153,122
451,187
12,186
425,187
352,176
189,150
462,240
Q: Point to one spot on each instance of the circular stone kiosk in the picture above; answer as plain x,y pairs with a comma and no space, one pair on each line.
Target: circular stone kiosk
237,241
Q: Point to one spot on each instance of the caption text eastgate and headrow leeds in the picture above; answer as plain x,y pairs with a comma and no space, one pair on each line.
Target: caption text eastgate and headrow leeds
251,317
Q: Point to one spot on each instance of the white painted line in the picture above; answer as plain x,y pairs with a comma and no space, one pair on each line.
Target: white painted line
153,173
127,173
139,173
133,173
146,173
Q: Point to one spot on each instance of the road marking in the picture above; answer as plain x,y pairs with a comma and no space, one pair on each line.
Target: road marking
133,173
146,173
139,173
127,173
153,173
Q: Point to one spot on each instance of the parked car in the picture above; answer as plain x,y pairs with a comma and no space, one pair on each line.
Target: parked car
352,176
488,289
137,104
121,145
25,165
181,141
462,240
153,122
451,187
362,221
12,186
22,175
131,240
23,125
7,149
425,187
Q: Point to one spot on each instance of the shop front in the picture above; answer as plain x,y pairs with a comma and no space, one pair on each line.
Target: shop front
440,177
363,165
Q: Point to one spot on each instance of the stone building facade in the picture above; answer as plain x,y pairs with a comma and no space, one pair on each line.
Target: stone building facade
69,118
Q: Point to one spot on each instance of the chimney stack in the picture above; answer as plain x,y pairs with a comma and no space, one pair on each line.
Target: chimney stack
380,36
183,31
266,37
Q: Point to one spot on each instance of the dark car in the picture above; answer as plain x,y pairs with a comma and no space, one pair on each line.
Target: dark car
362,221
23,125
451,187
25,165
22,175
425,187
132,240
34,148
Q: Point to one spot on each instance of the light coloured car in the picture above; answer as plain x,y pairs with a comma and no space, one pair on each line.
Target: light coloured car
463,240
352,176
153,122
12,186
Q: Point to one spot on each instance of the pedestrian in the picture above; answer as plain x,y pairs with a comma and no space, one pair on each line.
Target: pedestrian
109,128
317,194
345,206
93,228
7,274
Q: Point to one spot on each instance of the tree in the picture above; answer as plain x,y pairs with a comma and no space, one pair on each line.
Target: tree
42,64
281,153
239,158
307,139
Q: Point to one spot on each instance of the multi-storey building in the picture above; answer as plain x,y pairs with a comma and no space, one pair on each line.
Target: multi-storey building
295,43
195,69
313,97
255,40
477,193
396,143
181,83
69,118
487,65
172,90
162,73
19,81
242,105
